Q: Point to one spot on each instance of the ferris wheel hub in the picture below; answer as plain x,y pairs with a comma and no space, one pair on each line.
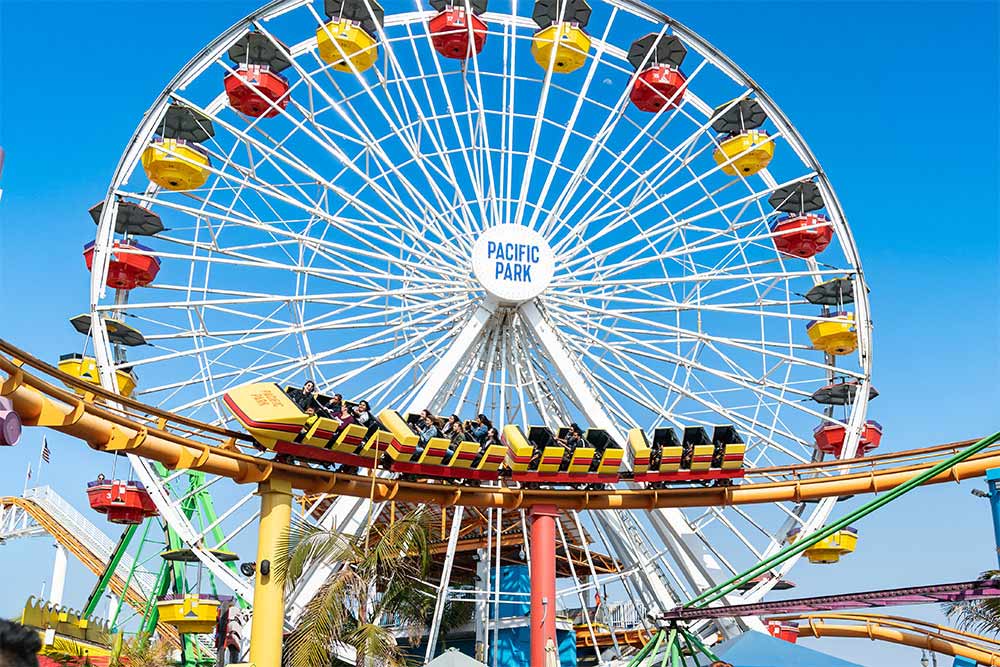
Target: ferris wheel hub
513,263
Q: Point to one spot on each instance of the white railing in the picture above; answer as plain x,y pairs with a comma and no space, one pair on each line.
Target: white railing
90,536
617,615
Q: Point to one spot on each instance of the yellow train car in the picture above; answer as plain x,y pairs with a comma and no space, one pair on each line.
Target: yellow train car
276,422
438,457
540,456
695,458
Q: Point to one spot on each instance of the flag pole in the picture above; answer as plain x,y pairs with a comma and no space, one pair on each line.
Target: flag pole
41,455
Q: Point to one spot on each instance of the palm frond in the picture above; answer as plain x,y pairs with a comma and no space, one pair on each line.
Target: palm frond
980,616
328,619
376,645
304,544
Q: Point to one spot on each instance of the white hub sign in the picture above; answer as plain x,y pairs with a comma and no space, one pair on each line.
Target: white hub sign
514,264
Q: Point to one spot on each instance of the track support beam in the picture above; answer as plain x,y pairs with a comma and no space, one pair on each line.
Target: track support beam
543,586
268,593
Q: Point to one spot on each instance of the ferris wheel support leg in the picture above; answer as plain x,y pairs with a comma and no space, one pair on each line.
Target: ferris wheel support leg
543,585
430,392
268,593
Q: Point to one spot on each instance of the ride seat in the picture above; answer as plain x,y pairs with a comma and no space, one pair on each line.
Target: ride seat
519,450
641,451
404,441
551,454
729,448
671,451
698,448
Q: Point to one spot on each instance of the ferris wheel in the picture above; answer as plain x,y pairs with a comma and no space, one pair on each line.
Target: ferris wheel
547,212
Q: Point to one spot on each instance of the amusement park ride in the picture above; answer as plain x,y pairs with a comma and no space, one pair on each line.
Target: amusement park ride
531,214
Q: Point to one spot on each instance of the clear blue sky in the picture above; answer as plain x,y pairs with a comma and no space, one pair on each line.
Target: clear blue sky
898,100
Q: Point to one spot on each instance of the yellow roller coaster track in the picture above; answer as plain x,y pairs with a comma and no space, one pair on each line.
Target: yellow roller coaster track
108,422
82,553
898,630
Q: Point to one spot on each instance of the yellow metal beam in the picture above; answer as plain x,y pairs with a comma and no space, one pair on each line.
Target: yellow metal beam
268,591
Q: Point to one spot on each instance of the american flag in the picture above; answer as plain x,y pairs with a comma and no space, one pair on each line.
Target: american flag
46,454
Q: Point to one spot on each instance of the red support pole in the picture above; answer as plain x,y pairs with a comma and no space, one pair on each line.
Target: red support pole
543,586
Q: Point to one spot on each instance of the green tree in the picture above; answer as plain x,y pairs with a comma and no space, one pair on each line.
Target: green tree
976,615
380,579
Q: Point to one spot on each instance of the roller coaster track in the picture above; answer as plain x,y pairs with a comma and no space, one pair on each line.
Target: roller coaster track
898,630
88,545
111,423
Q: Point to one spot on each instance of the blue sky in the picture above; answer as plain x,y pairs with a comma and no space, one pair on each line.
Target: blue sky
898,100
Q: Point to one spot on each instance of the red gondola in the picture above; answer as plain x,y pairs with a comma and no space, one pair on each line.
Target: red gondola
805,235
126,270
657,87
122,501
830,438
450,31
269,84
786,630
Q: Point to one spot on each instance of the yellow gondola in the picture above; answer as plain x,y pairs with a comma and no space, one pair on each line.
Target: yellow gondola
571,45
176,164
343,43
85,368
190,614
830,549
834,335
750,152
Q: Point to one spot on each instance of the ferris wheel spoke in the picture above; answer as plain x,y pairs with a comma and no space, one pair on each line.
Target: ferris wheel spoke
391,200
485,153
568,307
583,340
363,299
662,230
643,138
670,155
614,214
373,247
348,323
567,133
507,125
276,369
381,392
347,276
476,175
676,161
621,166
395,120
357,124
674,222
537,122
399,351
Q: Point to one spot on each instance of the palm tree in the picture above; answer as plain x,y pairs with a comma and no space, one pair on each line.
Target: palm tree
141,650
981,615
381,579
